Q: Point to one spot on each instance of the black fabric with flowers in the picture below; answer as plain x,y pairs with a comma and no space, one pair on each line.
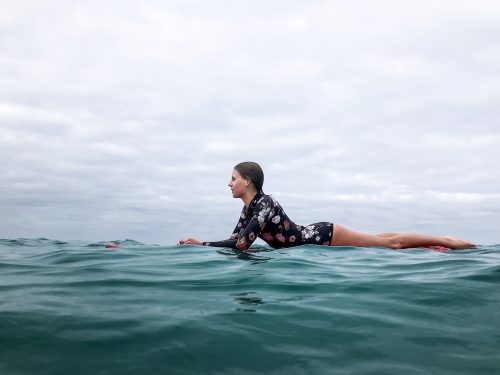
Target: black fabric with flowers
266,219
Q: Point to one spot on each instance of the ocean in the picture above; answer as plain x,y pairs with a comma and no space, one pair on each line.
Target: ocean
75,307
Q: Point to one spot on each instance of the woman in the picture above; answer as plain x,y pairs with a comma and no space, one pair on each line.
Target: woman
262,216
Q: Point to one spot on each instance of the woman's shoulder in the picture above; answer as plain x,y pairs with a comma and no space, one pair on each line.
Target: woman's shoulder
268,199
261,200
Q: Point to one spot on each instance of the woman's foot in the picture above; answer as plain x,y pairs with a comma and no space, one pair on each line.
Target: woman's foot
460,244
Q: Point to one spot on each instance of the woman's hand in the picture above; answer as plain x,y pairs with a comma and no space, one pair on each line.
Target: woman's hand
189,241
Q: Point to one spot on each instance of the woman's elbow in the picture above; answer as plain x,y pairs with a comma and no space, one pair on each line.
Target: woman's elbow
242,244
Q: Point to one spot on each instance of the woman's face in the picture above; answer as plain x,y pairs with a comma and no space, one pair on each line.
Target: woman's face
238,184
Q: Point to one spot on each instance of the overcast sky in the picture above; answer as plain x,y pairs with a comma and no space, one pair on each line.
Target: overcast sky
124,119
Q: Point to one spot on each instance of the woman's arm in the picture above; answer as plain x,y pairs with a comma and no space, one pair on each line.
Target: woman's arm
230,242
189,241
248,228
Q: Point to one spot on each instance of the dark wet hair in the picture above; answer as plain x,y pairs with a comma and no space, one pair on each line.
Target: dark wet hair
253,172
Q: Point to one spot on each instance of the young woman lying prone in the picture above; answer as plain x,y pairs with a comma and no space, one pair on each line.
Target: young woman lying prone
262,216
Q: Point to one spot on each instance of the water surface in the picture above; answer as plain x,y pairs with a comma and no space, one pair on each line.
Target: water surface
78,308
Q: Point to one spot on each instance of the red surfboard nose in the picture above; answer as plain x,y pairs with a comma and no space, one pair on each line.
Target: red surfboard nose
438,248
111,246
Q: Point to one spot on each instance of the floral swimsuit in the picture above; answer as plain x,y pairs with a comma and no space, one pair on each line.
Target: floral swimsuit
266,219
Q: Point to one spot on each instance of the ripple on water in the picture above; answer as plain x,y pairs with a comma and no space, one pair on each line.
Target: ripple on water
75,307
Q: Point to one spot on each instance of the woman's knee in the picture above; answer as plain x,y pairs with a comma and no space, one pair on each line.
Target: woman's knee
395,243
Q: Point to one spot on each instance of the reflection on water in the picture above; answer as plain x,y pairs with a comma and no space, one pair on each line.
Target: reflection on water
244,299
256,257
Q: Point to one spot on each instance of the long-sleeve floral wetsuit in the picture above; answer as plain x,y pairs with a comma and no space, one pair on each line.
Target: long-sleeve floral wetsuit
266,219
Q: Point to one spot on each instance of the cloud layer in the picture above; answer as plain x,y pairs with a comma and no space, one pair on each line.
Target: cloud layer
124,119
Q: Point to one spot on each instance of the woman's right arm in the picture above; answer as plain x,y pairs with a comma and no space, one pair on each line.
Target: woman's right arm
230,242
251,227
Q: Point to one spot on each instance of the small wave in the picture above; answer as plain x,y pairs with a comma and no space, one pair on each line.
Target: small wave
186,309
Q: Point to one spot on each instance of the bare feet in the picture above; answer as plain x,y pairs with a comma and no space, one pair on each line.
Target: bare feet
457,244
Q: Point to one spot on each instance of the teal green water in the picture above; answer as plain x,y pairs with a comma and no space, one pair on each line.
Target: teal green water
78,308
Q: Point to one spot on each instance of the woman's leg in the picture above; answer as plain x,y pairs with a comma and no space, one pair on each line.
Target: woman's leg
387,234
345,237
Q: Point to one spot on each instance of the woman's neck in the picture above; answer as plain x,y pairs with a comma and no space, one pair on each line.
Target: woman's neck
247,198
